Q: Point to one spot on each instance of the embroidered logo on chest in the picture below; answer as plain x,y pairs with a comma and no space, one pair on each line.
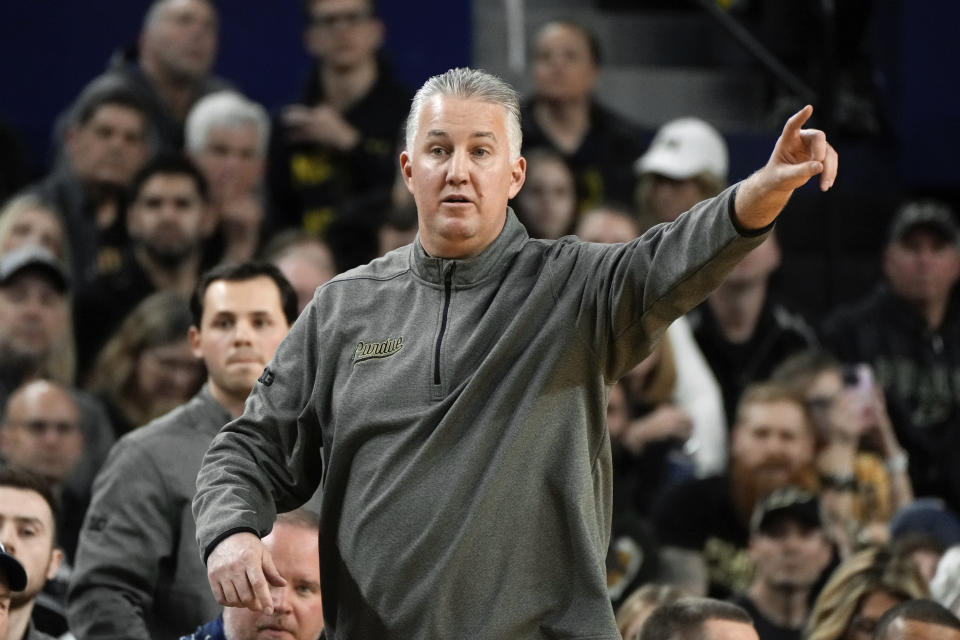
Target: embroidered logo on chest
371,350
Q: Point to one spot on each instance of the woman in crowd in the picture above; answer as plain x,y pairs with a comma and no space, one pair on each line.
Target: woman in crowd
26,219
860,590
547,204
857,450
147,368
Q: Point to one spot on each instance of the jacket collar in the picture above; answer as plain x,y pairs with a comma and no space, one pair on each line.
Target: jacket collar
469,271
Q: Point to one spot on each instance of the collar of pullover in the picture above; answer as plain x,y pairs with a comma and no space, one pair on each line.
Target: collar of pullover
469,271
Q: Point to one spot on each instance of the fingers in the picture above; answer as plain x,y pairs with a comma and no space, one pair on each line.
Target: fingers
797,120
831,162
271,572
259,594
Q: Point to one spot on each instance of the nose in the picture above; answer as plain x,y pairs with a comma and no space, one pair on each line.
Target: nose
457,170
243,333
281,604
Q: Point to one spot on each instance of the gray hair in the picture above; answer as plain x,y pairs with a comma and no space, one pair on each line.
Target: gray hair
470,84
152,16
227,109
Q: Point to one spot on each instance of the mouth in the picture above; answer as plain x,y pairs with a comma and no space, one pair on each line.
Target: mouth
456,199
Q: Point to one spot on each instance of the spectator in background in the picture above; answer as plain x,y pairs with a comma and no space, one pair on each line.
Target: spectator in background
340,141
28,525
41,433
695,391
138,574
303,259
701,618
687,162
789,552
171,67
168,220
34,336
147,368
703,524
13,577
908,330
923,531
105,143
860,590
563,115
945,586
28,219
919,619
547,203
227,136
742,331
297,606
856,443
397,230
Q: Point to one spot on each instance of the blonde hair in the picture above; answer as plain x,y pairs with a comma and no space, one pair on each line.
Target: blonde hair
643,601
876,569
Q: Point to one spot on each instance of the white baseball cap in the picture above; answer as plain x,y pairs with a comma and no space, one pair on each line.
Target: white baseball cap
684,148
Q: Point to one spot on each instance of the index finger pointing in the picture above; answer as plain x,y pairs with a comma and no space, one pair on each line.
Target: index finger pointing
797,120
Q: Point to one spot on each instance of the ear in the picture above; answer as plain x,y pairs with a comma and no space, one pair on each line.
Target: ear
378,30
518,174
406,170
209,221
193,335
56,558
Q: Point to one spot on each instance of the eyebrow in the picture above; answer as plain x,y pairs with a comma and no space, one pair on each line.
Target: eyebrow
439,133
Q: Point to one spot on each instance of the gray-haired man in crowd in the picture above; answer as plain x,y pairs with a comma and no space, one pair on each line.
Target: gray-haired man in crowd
457,388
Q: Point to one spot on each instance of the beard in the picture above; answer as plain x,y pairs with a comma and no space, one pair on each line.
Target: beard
749,485
172,255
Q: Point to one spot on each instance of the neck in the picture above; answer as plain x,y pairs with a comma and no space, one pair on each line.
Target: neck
565,121
933,312
19,621
177,92
345,85
783,606
231,402
181,277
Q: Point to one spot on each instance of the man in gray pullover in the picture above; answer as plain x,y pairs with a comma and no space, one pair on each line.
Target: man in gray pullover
450,396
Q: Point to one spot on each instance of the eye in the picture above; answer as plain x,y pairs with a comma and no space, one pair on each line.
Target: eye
438,151
481,152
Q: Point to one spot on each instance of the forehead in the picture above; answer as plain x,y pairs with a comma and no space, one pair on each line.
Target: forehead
329,6
566,35
924,234
243,134
780,414
37,215
461,117
169,184
239,297
171,8
117,114
24,503
42,398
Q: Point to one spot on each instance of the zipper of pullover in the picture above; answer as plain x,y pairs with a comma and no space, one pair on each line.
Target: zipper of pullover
447,286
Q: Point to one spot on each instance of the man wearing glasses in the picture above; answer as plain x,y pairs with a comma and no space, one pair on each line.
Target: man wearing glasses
340,140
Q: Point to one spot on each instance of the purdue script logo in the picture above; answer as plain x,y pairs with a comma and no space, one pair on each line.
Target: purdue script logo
371,350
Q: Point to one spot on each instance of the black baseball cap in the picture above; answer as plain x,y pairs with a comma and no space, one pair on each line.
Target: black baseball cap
36,258
790,502
16,575
926,214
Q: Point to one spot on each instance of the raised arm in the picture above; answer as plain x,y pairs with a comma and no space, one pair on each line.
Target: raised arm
798,155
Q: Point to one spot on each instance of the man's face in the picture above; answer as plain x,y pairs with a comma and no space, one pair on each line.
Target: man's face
923,267
789,554
306,271
772,442
715,629
27,533
343,33
669,197
36,226
298,608
110,147
242,325
548,199
562,66
33,314
738,301
868,614
231,162
168,218
183,38
167,375
42,431
460,174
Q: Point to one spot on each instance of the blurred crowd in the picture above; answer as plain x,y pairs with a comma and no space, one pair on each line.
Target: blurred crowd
802,472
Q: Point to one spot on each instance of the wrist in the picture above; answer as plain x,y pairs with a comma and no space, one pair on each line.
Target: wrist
839,481
896,463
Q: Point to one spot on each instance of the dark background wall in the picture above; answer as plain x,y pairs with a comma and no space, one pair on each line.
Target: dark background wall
49,49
